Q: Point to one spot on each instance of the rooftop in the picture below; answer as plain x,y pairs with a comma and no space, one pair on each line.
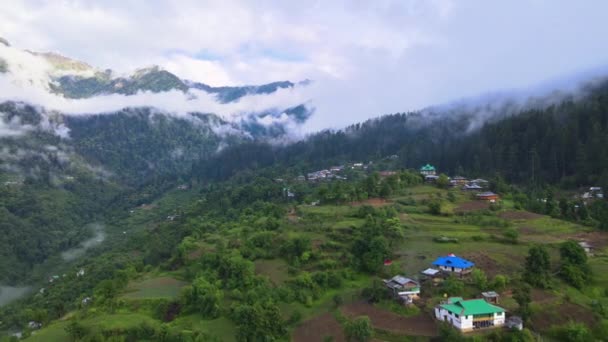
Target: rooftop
460,306
427,167
453,261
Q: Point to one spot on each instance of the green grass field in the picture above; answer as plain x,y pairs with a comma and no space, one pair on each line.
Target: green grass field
159,287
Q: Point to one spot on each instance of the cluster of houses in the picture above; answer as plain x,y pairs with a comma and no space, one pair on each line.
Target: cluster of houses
464,314
334,172
473,185
593,192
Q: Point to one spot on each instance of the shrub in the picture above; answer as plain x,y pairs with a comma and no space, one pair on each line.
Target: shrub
360,329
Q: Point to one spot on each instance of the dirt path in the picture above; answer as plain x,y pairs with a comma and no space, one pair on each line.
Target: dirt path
421,325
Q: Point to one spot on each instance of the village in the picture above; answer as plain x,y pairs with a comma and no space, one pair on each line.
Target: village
463,314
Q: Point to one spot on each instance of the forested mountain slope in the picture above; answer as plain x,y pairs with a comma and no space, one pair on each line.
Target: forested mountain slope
563,142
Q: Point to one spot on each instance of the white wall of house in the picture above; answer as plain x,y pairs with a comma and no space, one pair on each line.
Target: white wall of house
464,322
449,269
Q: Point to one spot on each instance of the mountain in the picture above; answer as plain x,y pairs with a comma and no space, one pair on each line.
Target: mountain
76,141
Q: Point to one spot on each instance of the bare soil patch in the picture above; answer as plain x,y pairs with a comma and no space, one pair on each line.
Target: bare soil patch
527,230
421,325
483,262
519,215
374,202
566,312
472,206
541,296
318,328
597,240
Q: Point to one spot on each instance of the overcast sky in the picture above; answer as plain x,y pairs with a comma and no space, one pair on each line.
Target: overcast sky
367,58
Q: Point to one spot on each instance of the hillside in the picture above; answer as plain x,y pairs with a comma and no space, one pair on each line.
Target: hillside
217,274
558,144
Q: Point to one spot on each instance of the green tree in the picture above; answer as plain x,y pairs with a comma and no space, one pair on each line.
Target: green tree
500,282
511,236
521,294
453,286
258,322
479,279
202,297
435,207
359,329
574,269
538,267
573,332
443,181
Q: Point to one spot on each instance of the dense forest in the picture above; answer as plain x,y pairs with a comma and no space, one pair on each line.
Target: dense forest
562,143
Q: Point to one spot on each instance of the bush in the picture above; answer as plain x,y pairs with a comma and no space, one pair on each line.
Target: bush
453,286
359,330
572,332
435,208
511,236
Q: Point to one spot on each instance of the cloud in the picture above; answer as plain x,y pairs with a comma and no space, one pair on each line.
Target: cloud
13,127
367,58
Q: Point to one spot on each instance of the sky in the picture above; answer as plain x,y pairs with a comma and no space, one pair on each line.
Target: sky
366,58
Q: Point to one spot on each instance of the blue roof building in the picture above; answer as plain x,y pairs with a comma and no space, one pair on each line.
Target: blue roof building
452,263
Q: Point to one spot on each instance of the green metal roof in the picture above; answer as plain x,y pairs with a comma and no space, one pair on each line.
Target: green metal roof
427,167
471,307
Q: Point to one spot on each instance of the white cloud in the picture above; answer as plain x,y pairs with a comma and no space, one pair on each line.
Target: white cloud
367,57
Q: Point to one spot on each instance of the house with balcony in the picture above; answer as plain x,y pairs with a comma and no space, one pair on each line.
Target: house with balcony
428,170
470,314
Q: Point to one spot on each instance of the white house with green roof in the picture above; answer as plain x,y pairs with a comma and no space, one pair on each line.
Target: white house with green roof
470,314
428,170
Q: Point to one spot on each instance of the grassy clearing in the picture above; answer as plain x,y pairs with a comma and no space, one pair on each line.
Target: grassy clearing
53,333
221,327
159,287
275,270
349,292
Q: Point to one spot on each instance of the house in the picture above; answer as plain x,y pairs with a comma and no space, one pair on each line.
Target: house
458,180
481,182
86,300
490,297
470,314
300,178
405,289
453,264
471,187
357,165
586,246
430,272
514,322
434,275
385,174
428,170
34,325
488,196
80,272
